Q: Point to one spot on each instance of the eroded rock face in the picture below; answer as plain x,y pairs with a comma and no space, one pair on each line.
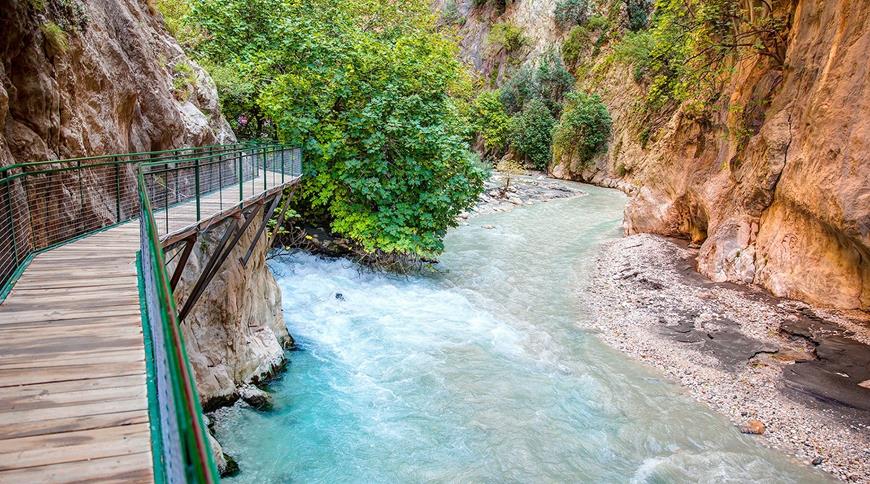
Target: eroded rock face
109,91
236,334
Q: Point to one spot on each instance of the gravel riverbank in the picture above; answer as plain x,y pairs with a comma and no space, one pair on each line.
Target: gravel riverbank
798,377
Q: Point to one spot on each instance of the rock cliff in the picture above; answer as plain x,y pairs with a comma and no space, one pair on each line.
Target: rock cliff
103,76
788,207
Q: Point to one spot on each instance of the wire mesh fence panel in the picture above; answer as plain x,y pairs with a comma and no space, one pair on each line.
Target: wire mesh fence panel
43,204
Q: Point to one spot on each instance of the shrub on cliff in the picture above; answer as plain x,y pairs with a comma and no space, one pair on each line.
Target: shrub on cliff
571,12
583,129
548,82
532,134
691,44
507,36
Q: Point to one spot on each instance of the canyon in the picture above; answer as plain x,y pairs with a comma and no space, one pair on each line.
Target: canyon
786,206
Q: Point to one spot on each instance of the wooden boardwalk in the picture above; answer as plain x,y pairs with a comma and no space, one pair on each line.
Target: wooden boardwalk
73,395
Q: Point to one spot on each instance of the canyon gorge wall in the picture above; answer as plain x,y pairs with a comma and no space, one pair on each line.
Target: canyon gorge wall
104,76
786,207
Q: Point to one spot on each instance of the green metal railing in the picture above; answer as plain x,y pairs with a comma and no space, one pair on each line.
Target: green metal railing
209,183
46,204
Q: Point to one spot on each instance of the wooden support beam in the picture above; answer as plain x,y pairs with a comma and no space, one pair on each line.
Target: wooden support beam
219,256
179,268
263,224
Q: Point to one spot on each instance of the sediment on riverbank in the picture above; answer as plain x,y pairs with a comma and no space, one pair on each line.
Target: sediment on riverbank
796,376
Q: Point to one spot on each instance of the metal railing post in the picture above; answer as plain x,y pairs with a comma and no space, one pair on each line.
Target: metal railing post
264,170
11,218
117,190
241,176
81,194
196,182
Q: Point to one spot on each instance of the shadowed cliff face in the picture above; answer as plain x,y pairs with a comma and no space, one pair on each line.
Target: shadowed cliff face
789,208
111,89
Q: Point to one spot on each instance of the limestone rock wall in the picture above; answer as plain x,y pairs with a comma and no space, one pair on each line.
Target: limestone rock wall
791,210
114,88
236,334
787,209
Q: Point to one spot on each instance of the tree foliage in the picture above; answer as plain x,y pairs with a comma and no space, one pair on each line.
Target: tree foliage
583,129
364,86
491,122
532,134
507,36
548,82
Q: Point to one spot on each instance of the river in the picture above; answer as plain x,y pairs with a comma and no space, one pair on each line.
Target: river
480,372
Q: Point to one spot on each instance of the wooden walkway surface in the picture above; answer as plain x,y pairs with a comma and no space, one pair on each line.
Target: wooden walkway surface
73,395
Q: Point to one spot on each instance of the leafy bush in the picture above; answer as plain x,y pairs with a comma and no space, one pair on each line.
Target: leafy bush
583,129
532,134
450,14
518,89
638,13
491,121
571,12
500,5
507,36
574,45
183,80
549,82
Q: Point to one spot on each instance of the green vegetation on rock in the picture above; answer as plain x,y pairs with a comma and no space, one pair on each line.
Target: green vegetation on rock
507,36
571,12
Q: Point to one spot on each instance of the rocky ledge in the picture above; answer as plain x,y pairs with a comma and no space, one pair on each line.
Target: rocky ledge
503,192
798,377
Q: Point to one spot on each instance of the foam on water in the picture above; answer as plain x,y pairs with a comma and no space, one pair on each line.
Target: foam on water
479,373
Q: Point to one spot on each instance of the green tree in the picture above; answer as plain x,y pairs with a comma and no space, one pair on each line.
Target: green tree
365,87
491,122
571,12
532,134
583,129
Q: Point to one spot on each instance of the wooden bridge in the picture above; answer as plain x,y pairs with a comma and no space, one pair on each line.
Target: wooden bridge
94,383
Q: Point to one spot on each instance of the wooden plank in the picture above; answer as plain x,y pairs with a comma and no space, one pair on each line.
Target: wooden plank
133,468
71,358
73,446
94,384
74,410
73,372
70,424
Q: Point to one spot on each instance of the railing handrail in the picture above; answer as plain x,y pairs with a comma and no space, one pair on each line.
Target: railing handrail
244,144
6,177
202,467
191,440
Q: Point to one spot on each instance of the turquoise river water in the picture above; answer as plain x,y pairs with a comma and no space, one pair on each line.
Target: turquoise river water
481,372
